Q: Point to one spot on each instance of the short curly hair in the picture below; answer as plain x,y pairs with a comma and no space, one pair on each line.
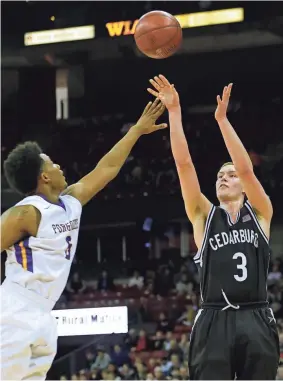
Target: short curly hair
23,166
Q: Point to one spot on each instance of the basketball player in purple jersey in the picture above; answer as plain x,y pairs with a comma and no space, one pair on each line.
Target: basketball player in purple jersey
40,236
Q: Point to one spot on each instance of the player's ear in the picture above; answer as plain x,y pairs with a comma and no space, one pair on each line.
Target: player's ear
44,177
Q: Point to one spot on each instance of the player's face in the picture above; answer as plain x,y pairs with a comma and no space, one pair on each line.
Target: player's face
52,174
228,185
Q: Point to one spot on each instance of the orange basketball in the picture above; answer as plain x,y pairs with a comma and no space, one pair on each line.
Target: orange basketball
158,34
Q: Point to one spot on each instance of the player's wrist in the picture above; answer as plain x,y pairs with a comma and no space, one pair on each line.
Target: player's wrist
174,109
222,119
137,130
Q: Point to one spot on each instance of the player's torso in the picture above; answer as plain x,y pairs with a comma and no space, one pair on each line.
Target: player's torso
234,258
42,263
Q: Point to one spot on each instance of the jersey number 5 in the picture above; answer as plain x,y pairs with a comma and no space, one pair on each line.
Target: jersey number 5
242,267
68,250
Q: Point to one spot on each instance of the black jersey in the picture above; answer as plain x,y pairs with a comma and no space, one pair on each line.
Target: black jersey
234,257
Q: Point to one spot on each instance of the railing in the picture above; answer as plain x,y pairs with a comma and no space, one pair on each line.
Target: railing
72,362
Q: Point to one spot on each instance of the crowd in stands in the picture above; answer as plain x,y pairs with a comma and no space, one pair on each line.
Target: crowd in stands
170,305
150,168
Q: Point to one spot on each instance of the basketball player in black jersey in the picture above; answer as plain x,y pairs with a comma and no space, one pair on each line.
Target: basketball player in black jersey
234,334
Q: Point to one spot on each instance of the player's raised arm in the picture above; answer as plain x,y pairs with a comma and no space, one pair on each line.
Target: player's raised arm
17,223
196,203
241,160
109,166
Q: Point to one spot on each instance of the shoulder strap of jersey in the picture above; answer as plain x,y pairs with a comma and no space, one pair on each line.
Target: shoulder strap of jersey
72,200
254,217
198,256
35,201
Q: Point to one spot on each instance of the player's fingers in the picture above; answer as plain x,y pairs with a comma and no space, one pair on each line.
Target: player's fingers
147,108
164,80
155,106
155,84
224,92
218,99
158,111
161,126
230,88
159,82
152,92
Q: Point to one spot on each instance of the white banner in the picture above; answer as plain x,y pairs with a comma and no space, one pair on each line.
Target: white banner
92,321
54,36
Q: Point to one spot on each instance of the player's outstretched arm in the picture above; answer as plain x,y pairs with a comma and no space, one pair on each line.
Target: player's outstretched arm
17,223
196,203
241,160
109,166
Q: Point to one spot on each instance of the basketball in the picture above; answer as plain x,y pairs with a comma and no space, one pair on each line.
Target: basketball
158,34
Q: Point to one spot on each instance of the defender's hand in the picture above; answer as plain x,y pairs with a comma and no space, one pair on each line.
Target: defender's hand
165,92
222,104
146,123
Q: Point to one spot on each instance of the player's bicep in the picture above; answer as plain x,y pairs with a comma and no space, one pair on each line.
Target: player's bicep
91,184
195,202
256,195
17,223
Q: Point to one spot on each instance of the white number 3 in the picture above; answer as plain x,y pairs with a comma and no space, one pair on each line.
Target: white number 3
242,267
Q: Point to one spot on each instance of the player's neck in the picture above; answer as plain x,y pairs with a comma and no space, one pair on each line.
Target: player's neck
48,195
232,207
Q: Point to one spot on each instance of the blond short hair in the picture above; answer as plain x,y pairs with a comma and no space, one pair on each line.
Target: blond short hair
227,163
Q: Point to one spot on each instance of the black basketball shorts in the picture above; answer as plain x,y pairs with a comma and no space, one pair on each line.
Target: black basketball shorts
231,344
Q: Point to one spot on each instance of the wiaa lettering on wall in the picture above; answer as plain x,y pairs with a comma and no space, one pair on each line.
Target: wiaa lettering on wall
189,20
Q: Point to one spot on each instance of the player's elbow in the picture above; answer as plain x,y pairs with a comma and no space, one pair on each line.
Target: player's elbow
183,162
245,170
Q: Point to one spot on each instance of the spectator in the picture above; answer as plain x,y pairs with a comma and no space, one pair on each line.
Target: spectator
166,366
184,286
144,312
167,342
131,339
149,377
151,364
185,345
76,284
90,358
164,324
158,374
105,282
119,356
136,281
275,273
102,360
175,350
94,375
187,318
164,281
112,369
142,343
175,363
126,372
194,301
184,373
280,373
158,341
